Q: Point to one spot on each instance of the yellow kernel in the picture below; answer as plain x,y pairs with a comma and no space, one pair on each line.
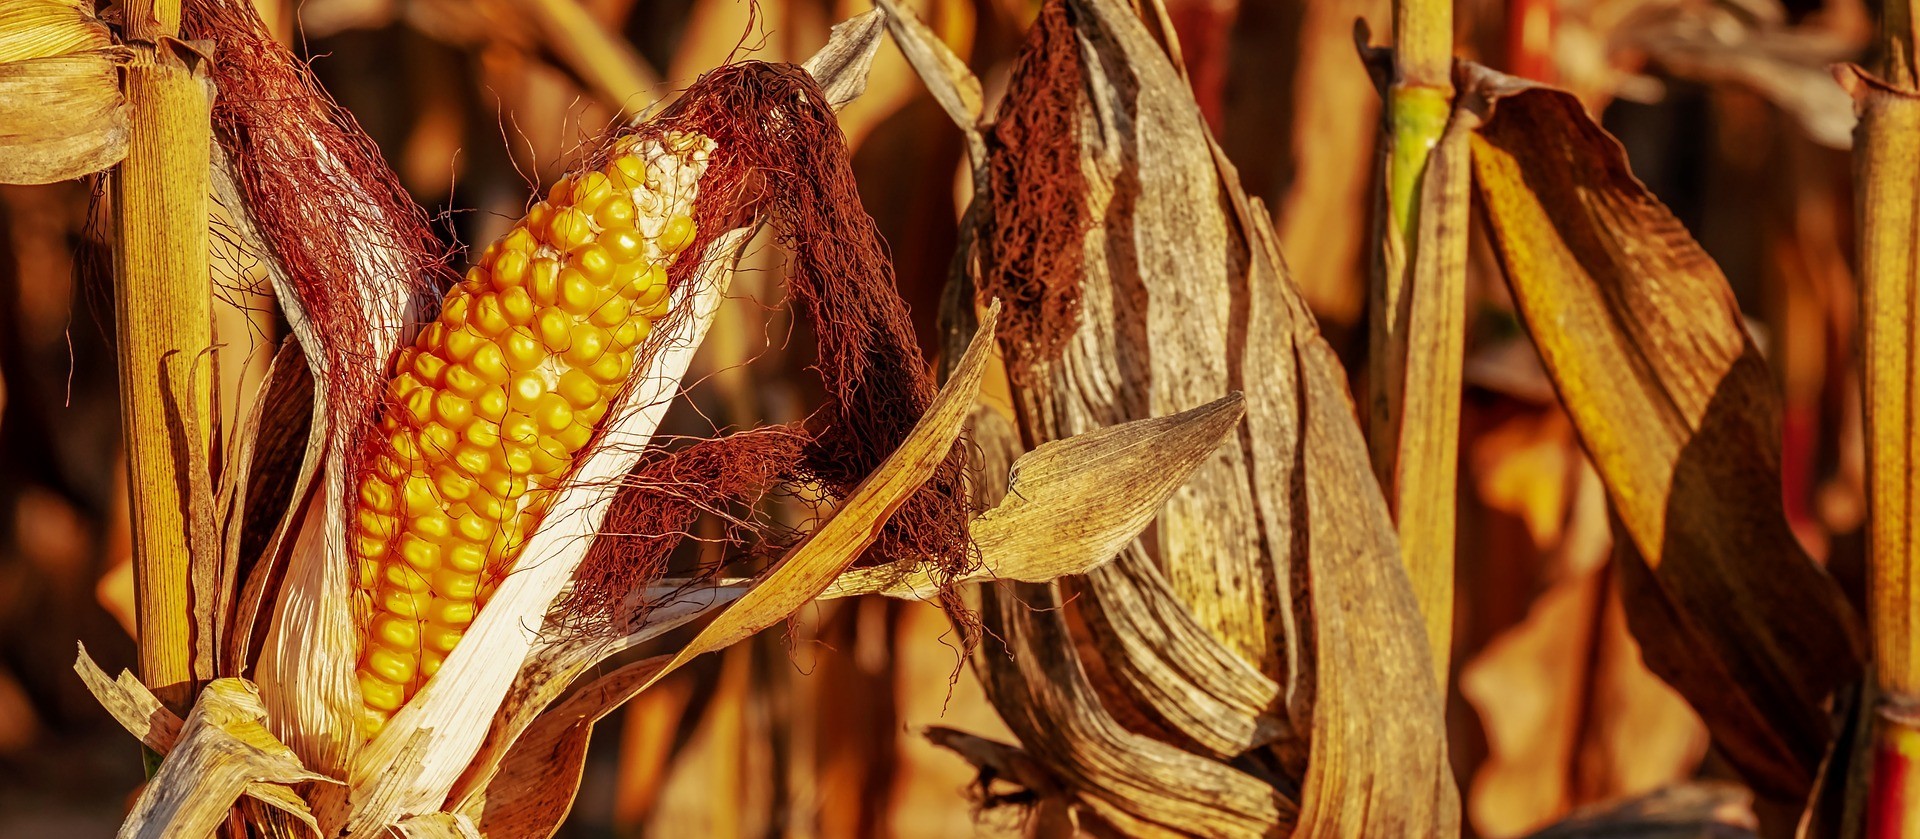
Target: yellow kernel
487,318
489,364
556,330
590,415
369,548
470,527
380,693
562,192
428,368
517,305
430,664
391,666
522,351
402,578
553,413
462,342
402,603
452,484
491,404
543,283
588,345
651,289
631,332
418,408
472,460
510,270
376,494
403,447
517,460
386,467
453,313
525,391
369,576
550,458
578,293
432,338
443,638
437,440
570,229
579,389
477,280
452,409
610,369
590,190
378,525
517,239
610,313
537,217
450,613
451,583
396,633
595,262
617,213
482,434
419,554
677,234
628,171
433,525
520,429
465,382
625,246
468,558
575,437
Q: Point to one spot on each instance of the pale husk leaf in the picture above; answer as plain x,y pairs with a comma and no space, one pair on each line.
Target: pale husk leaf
223,749
61,116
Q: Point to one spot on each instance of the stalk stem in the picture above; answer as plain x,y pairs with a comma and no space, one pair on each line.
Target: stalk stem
162,297
1417,302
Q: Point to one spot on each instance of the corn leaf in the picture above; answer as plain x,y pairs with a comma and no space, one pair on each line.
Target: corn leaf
1074,502
1644,343
61,111
223,750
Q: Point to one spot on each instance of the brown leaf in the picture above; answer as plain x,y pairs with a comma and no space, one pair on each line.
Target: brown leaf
1687,811
1572,716
1644,343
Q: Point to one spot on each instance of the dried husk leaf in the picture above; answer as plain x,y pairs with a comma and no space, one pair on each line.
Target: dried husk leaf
540,775
448,720
1644,343
436,826
1075,502
223,750
137,710
1685,811
61,111
61,117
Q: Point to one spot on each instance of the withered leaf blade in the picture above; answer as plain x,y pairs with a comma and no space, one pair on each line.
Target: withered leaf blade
1074,503
1643,341
1687,811
61,117
223,749
538,779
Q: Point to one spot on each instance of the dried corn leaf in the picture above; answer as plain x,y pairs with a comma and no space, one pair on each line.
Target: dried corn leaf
1687,811
1572,716
1644,343
438,826
222,751
61,117
1074,502
540,775
811,566
61,111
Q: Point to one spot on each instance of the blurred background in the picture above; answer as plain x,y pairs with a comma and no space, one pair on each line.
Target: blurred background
1726,108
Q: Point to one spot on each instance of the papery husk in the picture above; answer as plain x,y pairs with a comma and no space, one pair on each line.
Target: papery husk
1644,343
1353,678
62,113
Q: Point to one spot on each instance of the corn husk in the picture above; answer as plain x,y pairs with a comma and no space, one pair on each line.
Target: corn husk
62,114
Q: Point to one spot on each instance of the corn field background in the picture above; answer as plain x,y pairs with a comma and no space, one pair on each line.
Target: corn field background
1612,536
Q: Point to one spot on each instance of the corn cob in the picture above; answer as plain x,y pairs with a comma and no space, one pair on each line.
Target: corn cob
493,401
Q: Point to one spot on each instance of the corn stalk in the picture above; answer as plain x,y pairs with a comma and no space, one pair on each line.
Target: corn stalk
162,310
1887,175
1417,300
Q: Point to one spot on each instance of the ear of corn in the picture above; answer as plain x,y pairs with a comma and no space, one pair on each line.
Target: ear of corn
493,401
